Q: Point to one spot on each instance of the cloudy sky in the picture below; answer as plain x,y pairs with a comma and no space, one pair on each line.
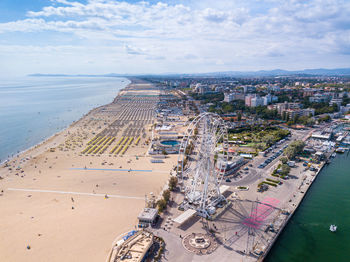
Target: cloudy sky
184,36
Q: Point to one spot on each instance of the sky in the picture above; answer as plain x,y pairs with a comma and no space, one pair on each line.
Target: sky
184,36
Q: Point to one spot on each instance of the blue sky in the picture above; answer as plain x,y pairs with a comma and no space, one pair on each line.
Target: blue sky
185,36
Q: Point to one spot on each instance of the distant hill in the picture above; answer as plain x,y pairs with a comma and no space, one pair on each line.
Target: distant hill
79,75
261,73
281,72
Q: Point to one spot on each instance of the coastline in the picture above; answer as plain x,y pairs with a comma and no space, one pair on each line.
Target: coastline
59,206
325,204
45,140
281,229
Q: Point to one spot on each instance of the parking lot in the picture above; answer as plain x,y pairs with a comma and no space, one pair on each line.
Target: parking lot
261,165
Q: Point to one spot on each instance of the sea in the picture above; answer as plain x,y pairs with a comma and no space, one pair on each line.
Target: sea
307,236
35,108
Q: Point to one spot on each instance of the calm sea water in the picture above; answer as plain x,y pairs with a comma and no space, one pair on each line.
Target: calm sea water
307,236
34,108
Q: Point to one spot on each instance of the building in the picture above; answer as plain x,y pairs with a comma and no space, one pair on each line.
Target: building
268,99
256,101
274,88
308,112
292,113
194,87
253,100
147,217
345,109
203,89
281,107
336,101
248,100
319,98
310,91
249,89
219,89
234,164
229,97
321,135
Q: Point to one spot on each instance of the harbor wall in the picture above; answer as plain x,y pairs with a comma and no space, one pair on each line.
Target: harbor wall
262,257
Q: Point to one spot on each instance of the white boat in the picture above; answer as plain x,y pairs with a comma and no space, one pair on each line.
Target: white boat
340,150
333,228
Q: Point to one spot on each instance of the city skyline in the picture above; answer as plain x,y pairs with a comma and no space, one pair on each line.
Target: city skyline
132,37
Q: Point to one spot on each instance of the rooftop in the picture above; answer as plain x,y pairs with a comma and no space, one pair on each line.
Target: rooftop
148,214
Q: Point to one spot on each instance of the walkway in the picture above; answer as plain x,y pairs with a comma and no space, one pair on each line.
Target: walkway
74,193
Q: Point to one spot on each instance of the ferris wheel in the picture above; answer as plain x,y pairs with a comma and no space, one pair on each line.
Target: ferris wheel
202,162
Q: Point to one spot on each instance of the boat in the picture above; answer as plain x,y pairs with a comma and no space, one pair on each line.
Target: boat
340,150
333,228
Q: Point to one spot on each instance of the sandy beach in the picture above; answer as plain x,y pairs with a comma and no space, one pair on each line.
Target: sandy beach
60,204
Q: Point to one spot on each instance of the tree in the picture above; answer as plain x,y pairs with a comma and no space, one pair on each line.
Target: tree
166,195
227,108
294,148
310,122
326,118
285,170
239,116
161,204
173,183
284,160
256,147
290,152
269,140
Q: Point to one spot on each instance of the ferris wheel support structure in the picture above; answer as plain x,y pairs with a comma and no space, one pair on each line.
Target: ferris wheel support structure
202,162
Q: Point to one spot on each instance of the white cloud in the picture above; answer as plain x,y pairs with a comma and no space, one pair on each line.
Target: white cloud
197,33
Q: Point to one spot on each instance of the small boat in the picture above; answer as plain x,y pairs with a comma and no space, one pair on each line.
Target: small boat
340,150
333,228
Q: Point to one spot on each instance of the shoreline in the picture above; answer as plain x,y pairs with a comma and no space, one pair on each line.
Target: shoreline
44,140
50,202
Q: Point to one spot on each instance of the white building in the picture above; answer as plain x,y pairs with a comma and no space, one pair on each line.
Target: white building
257,101
233,96
267,99
229,97
203,89
308,111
